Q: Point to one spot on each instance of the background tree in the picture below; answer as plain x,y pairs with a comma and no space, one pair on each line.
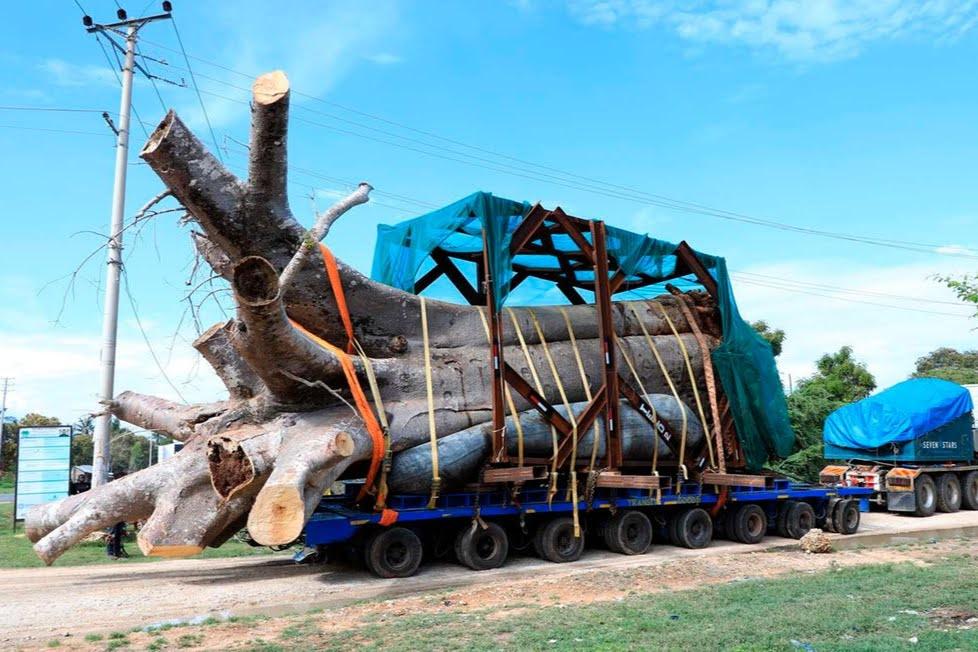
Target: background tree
774,337
839,379
949,364
966,287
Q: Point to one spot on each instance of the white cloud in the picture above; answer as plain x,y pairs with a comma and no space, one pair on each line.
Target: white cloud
58,374
64,73
384,58
954,249
888,339
799,30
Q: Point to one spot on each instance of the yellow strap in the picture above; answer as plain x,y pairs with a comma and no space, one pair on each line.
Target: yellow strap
638,380
587,388
672,386
435,478
692,381
539,385
382,417
509,398
572,490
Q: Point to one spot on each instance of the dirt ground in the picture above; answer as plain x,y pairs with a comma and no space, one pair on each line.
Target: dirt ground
41,605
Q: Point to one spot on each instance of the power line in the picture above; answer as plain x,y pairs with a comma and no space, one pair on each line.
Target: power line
56,131
50,109
836,288
593,185
788,288
193,80
115,72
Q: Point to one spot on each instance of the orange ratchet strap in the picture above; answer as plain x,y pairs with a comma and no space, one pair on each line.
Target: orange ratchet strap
359,398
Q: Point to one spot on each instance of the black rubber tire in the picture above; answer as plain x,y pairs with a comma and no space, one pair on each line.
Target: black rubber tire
672,528
393,552
948,493
799,519
969,490
482,549
555,541
628,532
694,528
847,517
749,523
926,495
827,522
781,523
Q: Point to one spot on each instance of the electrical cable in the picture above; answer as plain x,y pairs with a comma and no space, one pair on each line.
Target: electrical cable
602,187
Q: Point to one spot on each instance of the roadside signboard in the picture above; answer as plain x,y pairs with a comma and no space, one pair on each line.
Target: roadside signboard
43,466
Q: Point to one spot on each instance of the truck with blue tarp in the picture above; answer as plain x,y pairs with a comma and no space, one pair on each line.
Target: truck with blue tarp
912,444
590,454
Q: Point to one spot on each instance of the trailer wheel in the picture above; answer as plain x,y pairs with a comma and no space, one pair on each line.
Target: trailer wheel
827,522
969,490
948,493
799,519
781,523
694,528
749,523
555,541
393,552
847,517
925,493
482,549
629,532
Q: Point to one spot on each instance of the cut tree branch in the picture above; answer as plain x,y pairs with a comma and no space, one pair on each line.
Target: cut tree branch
160,415
319,230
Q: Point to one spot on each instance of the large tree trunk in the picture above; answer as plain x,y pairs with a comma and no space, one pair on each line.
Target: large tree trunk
287,430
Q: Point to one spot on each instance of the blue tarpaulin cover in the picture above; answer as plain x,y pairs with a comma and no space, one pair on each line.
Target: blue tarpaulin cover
743,361
904,412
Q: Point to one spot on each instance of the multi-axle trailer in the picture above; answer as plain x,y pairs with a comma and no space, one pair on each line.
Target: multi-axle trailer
482,525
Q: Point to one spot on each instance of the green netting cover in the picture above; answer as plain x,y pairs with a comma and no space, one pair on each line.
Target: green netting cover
743,361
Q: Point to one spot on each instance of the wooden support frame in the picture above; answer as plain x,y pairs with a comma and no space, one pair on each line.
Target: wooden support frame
535,237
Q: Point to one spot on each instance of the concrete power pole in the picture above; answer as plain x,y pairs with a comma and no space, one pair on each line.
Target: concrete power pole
7,382
110,318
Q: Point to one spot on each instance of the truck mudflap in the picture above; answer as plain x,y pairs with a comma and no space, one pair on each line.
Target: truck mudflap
900,494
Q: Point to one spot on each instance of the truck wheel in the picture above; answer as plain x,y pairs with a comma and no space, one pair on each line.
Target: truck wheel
393,552
628,532
781,523
749,523
482,549
969,490
827,522
799,520
847,516
925,493
555,541
948,493
694,528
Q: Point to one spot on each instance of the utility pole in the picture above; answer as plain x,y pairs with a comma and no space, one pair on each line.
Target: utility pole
7,382
110,319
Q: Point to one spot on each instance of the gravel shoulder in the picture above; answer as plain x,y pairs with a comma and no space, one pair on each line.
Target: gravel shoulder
43,604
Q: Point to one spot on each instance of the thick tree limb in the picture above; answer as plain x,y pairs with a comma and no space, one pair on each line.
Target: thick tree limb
268,158
269,343
216,347
160,415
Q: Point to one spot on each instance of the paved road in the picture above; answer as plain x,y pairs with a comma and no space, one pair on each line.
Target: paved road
98,598
6,498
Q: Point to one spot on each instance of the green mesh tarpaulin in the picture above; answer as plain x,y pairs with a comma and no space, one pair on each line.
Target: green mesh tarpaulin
743,362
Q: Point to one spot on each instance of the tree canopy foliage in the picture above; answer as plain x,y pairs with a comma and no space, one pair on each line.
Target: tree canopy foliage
950,364
839,379
775,337
966,287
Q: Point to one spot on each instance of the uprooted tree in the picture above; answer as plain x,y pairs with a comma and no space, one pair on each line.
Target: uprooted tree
264,456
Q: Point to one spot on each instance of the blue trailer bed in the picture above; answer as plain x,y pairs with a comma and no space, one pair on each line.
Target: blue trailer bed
338,521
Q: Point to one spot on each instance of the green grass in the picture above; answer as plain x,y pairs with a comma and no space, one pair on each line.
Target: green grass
16,552
861,608
7,483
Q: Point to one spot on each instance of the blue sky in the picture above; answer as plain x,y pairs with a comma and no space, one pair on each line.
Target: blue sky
856,117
